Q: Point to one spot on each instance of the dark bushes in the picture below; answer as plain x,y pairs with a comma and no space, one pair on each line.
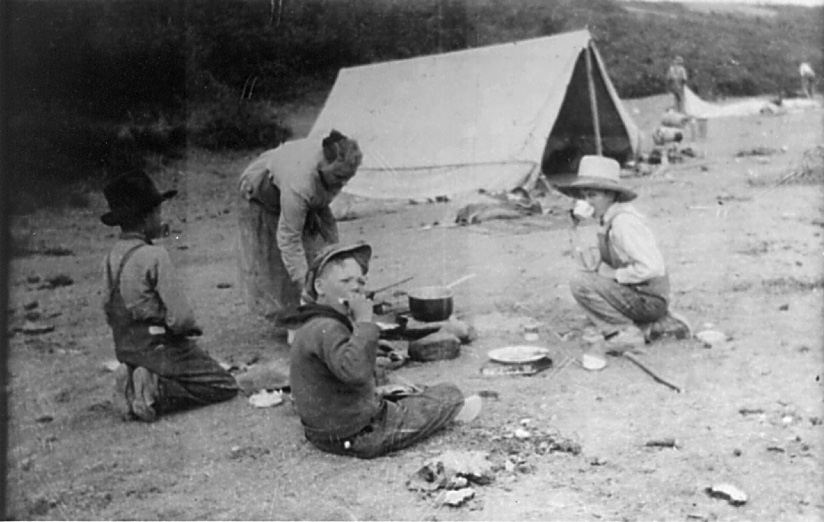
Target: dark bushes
233,124
94,86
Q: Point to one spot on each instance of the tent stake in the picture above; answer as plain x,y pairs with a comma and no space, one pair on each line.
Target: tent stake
593,102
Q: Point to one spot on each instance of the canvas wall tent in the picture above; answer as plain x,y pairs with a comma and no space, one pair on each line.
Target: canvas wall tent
486,118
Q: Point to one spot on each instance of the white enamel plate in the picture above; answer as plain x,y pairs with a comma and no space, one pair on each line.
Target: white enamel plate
518,354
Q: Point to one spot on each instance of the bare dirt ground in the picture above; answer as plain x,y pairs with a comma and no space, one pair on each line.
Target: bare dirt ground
745,258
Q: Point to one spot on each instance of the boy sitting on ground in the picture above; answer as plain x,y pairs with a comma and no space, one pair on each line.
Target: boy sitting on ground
333,362
162,368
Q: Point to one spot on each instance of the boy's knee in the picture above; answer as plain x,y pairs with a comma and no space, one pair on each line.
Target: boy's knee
580,284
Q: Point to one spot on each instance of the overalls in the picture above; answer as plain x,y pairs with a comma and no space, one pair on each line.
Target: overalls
610,304
187,376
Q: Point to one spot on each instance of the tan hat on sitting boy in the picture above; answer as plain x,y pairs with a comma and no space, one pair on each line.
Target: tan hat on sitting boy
598,172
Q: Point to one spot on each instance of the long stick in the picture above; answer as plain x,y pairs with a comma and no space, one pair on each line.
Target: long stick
652,372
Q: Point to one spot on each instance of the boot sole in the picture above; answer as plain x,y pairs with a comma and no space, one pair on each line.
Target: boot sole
144,395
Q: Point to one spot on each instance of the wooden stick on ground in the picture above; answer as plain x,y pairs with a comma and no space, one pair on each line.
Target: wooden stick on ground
652,372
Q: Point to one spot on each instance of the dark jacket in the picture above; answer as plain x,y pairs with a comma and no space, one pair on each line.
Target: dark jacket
332,371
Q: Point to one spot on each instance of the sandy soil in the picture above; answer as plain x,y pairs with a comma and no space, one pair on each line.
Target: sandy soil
745,257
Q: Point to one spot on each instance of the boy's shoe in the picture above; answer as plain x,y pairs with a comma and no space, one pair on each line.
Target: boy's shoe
145,394
673,324
625,340
471,409
123,392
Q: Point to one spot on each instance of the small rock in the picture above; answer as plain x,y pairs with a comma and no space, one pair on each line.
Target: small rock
727,492
465,332
750,411
521,433
26,464
736,452
509,466
33,328
493,395
523,467
58,281
458,497
531,337
711,338
593,362
224,285
262,377
33,279
784,307
663,443
474,465
111,365
457,482
43,419
31,305
266,399
40,506
434,347
32,316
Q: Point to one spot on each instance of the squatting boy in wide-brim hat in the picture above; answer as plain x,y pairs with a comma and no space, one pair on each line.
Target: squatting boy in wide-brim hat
626,292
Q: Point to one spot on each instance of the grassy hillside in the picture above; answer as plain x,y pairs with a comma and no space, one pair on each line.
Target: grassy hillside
95,87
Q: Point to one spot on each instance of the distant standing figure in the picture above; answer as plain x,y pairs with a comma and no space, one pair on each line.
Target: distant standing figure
807,79
285,219
676,81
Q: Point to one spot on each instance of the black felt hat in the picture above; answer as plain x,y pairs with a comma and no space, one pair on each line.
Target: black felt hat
130,197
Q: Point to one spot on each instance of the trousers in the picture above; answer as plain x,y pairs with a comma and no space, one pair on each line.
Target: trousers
611,305
187,376
398,424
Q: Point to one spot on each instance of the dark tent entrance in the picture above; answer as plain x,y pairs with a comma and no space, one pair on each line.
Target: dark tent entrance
588,123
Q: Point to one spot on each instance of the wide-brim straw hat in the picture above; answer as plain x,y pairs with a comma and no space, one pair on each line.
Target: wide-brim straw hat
362,253
132,196
601,173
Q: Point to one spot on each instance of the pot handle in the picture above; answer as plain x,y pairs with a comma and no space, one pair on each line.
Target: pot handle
461,280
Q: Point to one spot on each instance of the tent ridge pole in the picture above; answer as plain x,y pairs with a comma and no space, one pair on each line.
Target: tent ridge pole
596,124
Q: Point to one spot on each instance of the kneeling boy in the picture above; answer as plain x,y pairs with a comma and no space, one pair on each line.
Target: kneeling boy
162,367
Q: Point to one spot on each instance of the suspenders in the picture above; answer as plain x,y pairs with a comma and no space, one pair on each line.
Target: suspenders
115,282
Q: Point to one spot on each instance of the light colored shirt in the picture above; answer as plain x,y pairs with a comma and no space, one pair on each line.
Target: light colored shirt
293,169
806,70
633,242
150,285
677,75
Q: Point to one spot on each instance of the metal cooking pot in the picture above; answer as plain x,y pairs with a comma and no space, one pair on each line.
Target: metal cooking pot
430,303
433,303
